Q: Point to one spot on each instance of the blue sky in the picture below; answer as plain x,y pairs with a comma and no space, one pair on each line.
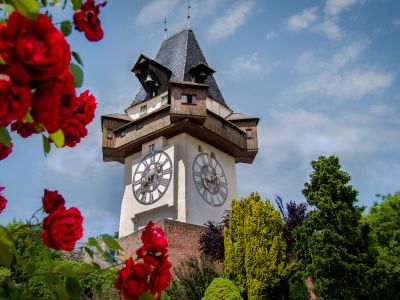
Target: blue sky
323,76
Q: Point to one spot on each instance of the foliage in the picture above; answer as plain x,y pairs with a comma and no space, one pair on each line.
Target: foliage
384,218
222,289
255,250
297,288
293,217
42,273
335,250
211,242
192,277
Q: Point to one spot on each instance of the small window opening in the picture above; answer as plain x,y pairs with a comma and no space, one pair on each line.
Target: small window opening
123,133
139,126
164,100
189,99
110,134
143,110
200,148
249,133
151,147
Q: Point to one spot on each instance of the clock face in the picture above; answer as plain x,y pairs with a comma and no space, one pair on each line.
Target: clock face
210,179
152,177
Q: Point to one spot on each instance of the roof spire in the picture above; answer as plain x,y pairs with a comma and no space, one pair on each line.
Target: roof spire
165,28
188,14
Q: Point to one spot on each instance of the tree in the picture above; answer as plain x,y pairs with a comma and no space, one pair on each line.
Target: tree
384,219
211,242
293,217
334,249
255,249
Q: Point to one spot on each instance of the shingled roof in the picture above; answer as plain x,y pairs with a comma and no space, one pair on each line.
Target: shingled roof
180,53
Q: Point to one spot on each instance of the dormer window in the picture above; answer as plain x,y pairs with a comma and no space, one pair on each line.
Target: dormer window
143,111
110,134
189,99
201,72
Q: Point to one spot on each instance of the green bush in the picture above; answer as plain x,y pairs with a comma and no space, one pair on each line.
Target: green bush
192,277
297,289
222,289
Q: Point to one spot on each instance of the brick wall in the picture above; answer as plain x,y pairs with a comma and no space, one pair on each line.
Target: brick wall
182,240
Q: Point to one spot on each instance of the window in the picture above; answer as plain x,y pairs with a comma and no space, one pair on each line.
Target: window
189,99
143,110
110,134
123,133
151,148
164,100
249,133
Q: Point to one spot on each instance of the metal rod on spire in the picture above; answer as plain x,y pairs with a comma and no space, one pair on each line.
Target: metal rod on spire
188,14
165,28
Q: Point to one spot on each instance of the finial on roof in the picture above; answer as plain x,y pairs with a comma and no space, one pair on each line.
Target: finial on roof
188,14
165,28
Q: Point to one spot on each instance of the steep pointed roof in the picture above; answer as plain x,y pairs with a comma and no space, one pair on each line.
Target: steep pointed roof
180,53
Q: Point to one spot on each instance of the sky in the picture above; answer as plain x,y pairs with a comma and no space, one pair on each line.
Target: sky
322,76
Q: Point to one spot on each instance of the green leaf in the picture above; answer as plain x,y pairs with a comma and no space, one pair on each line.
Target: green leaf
73,288
28,118
78,74
76,4
147,296
111,243
107,257
58,138
5,237
92,242
77,58
6,256
5,138
7,8
96,265
28,8
46,145
89,252
66,27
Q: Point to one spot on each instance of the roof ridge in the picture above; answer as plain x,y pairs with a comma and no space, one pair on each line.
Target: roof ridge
186,52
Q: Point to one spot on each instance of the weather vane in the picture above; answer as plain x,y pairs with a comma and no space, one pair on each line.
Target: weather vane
188,14
165,28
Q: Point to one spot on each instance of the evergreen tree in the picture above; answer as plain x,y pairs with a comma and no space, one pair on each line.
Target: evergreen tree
384,218
334,249
255,249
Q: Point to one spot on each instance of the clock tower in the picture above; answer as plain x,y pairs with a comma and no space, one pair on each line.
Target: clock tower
178,139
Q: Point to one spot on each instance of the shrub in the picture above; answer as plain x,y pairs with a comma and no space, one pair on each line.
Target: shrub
222,289
192,277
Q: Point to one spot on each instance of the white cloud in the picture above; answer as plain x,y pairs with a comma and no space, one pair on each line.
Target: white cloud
396,23
335,7
247,64
338,76
271,35
354,84
155,11
329,28
230,22
303,19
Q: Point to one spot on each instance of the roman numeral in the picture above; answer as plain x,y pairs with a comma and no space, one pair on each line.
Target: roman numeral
164,182
166,171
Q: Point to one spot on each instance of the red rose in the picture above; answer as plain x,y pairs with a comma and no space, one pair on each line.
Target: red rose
132,279
38,45
62,228
3,201
52,200
14,100
5,151
154,241
160,277
53,101
86,20
85,105
74,129
23,129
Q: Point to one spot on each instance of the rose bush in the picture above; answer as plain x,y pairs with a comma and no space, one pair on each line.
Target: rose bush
153,273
